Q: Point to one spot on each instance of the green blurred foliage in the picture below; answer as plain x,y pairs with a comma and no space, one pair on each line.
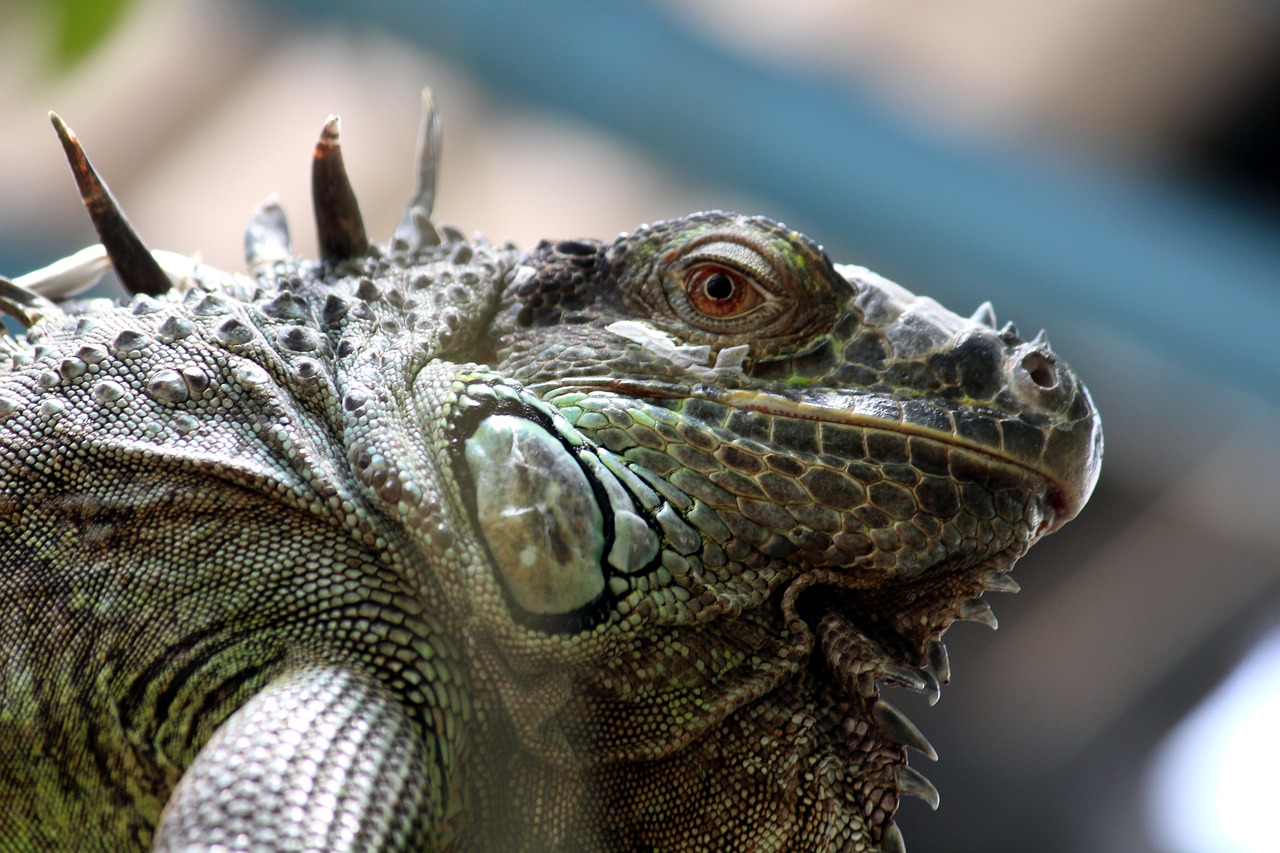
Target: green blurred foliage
78,26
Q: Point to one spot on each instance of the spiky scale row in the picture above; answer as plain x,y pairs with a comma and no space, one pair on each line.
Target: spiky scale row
340,227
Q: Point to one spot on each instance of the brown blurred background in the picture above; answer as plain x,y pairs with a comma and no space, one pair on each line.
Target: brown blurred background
1109,169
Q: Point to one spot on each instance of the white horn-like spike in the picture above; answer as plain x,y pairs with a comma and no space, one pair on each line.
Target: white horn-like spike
68,276
414,230
986,315
74,274
266,237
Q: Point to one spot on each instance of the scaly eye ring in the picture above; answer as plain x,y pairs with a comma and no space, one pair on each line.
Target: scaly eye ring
720,292
725,280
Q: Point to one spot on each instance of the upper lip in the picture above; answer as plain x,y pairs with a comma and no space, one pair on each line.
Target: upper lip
1069,458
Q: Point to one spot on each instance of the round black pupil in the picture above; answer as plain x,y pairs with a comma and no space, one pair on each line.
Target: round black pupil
719,286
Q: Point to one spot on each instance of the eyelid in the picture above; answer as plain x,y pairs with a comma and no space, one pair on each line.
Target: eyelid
744,259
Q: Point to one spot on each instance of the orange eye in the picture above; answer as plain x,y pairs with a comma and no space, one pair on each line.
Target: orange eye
721,292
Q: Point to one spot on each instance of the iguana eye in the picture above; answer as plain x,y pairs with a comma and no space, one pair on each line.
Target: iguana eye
725,280
720,292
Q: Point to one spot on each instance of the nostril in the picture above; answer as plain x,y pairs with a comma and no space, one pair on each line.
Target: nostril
1041,370
575,248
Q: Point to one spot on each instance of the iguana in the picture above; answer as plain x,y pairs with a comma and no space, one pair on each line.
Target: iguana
442,545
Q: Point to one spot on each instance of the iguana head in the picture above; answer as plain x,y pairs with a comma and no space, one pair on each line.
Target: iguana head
806,461
818,417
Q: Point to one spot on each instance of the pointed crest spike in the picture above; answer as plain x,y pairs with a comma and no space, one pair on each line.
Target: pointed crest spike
913,783
414,228
26,307
68,276
977,610
902,730
266,237
932,689
1001,582
137,270
339,226
986,315
1041,340
891,840
939,661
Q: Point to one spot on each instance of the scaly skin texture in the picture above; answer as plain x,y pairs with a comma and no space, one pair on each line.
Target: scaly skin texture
444,546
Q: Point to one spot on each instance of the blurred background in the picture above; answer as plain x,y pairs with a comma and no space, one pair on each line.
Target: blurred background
1107,169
